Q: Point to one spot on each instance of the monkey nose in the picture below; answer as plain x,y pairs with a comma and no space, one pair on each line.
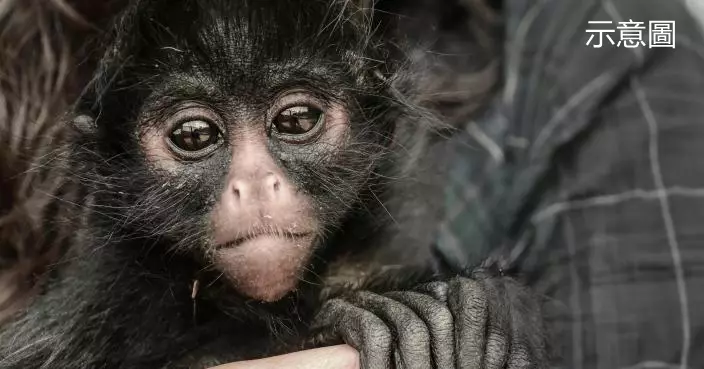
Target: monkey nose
256,188
272,183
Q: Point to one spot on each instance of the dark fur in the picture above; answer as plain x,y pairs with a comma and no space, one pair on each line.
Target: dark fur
40,41
122,296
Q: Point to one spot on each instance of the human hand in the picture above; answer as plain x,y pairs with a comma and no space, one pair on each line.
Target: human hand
332,357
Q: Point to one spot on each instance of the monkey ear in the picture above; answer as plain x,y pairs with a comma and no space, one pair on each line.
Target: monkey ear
85,124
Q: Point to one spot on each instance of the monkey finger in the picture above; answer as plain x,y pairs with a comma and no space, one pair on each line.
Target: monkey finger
470,308
521,355
499,327
437,290
438,319
360,329
411,333
527,347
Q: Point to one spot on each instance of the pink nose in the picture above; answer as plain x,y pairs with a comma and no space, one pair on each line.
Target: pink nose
256,188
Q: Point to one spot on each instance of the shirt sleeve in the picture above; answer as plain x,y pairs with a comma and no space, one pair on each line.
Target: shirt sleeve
589,173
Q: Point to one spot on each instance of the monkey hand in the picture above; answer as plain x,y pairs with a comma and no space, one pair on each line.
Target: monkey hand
478,323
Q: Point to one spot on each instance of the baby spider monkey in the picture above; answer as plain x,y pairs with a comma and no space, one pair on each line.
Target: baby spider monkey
245,162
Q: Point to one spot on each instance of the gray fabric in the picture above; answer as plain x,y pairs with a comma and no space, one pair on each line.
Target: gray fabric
590,172
697,9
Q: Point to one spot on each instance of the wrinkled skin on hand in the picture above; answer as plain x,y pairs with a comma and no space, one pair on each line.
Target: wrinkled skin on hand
479,322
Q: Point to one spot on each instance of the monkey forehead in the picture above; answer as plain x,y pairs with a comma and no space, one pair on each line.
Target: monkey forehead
177,87
247,41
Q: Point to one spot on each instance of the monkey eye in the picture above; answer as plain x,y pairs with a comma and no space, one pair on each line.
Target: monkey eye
195,138
298,120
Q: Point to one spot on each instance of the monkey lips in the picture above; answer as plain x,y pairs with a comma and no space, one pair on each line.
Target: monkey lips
265,266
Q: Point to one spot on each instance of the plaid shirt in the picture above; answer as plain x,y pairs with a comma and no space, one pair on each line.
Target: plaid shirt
590,171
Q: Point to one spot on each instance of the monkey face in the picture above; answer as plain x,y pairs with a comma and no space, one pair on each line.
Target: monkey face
255,131
264,225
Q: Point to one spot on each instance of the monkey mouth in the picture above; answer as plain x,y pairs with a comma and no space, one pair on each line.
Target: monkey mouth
290,236
265,266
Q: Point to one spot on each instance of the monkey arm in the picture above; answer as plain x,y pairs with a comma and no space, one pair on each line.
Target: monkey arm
486,320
